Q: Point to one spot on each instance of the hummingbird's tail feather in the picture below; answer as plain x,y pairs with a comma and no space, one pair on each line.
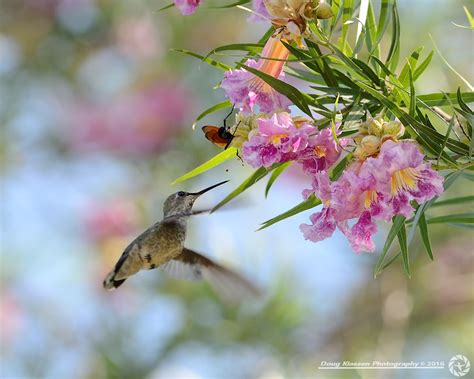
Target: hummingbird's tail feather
231,286
110,283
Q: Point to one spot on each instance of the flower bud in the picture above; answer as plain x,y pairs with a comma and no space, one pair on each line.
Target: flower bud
324,11
370,144
360,153
375,126
394,128
363,128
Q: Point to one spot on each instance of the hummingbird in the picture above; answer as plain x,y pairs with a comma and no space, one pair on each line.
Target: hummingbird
162,246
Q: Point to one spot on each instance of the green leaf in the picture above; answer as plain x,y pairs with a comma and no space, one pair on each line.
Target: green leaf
469,16
314,60
440,99
384,68
448,132
462,218
394,51
250,181
412,109
311,202
371,33
212,62
275,174
361,26
422,67
411,63
384,18
346,16
297,98
337,171
398,223
427,136
213,162
214,108
425,236
420,211
402,240
451,178
462,103
166,7
253,48
391,260
356,66
453,201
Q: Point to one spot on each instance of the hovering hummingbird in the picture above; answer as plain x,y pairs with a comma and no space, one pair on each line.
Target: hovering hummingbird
162,245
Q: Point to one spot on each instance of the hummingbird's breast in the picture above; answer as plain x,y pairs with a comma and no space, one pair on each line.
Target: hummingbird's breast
163,244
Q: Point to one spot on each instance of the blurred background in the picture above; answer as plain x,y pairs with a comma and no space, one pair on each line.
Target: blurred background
96,115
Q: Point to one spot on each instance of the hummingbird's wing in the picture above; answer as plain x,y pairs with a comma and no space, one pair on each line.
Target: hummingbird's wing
231,286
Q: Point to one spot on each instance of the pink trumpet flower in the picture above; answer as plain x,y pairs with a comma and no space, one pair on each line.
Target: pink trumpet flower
247,90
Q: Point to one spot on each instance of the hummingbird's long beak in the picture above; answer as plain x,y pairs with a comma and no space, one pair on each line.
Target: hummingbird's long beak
209,188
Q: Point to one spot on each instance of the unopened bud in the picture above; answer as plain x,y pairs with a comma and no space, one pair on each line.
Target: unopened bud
375,127
393,128
370,144
324,11
360,153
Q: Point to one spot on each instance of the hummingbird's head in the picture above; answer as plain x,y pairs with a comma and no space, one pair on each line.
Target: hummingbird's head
182,202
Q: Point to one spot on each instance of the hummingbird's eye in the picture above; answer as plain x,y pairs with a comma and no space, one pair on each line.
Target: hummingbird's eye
181,193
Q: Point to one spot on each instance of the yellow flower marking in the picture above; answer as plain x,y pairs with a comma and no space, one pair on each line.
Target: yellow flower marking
277,138
370,197
405,179
320,151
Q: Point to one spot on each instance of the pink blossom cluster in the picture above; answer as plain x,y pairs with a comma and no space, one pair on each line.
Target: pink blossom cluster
279,139
376,189
386,177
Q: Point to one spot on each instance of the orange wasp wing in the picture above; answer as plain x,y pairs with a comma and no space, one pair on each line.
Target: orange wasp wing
213,134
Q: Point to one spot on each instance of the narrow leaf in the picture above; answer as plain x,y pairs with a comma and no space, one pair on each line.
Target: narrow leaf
210,61
402,240
213,162
309,203
346,16
411,63
250,181
253,48
463,218
214,108
412,108
423,65
392,58
440,99
275,174
296,97
384,18
398,223
453,201
425,236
